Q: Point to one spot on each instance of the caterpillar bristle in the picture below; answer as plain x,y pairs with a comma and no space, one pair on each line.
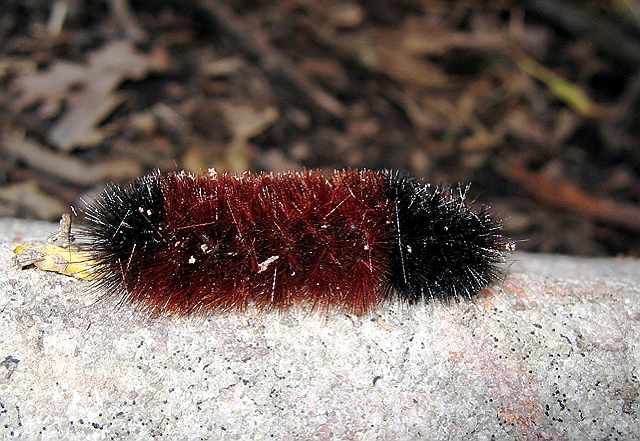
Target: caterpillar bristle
183,244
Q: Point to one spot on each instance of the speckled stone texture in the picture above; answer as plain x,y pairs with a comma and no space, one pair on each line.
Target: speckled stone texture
551,354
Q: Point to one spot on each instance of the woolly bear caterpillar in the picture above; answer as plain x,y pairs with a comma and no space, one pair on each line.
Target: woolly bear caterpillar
181,244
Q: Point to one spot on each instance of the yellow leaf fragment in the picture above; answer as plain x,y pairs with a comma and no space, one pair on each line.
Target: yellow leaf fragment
48,257
564,90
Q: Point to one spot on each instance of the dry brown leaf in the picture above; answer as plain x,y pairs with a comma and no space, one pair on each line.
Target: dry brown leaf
346,15
400,53
199,159
89,104
50,87
78,126
66,167
276,160
384,52
154,151
405,67
245,122
524,126
27,195
421,37
421,117
482,138
19,66
223,66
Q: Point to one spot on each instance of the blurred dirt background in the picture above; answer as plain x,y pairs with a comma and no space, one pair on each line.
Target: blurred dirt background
536,103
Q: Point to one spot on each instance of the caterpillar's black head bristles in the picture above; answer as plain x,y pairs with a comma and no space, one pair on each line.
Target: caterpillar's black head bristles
122,225
444,248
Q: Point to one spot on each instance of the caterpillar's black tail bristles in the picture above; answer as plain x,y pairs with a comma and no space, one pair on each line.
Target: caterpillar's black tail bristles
445,248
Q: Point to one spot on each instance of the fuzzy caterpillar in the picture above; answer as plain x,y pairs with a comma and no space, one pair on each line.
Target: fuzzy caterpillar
182,244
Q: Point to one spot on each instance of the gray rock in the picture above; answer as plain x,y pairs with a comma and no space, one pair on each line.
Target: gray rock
551,354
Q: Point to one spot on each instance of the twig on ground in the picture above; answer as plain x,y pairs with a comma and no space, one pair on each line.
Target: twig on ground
561,193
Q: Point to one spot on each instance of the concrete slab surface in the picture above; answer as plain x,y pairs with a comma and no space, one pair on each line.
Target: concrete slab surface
553,353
